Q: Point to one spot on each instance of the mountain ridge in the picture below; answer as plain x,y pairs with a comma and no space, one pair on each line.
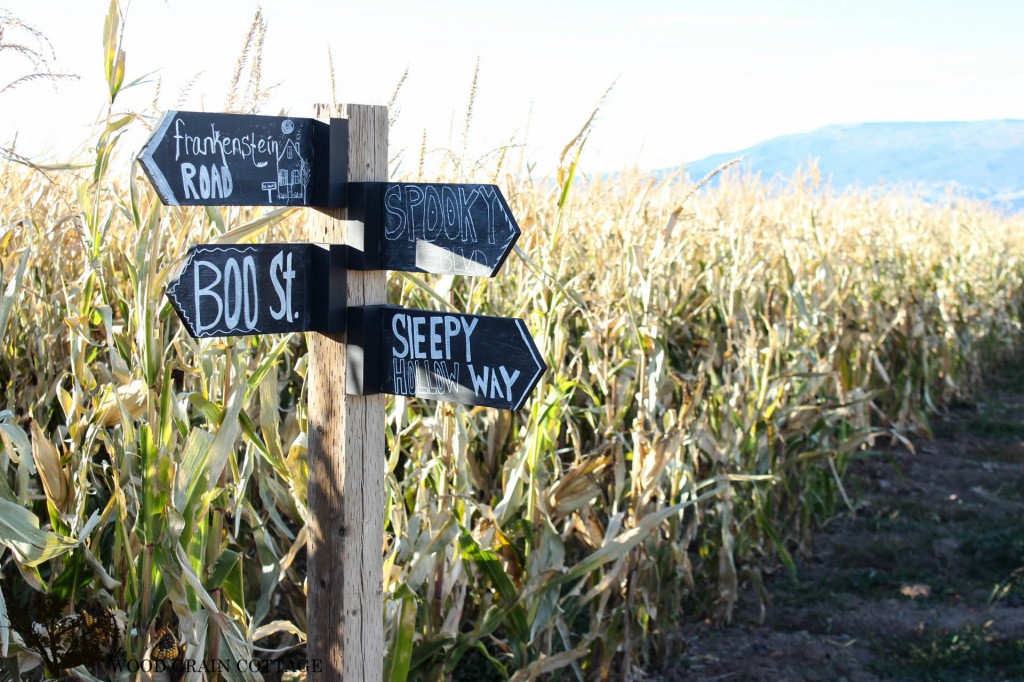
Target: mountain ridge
975,159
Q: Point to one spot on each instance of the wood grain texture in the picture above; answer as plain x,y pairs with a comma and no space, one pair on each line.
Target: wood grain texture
346,456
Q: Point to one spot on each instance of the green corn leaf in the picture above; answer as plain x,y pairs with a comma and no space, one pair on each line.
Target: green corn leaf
166,413
17,445
113,55
216,217
224,441
20,532
424,652
10,294
5,627
210,410
488,562
399,656
268,361
227,576
193,474
152,488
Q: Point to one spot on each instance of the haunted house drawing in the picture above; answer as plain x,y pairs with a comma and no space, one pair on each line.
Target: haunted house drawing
293,172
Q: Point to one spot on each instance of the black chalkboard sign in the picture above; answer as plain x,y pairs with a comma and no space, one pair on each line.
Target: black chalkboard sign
470,359
448,229
202,159
236,290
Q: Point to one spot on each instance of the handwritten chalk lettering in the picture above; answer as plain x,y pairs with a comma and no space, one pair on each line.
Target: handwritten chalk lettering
455,213
455,229
292,170
424,377
487,384
253,289
422,337
424,349
471,359
231,159
232,289
454,260
214,182
227,290
259,150
279,270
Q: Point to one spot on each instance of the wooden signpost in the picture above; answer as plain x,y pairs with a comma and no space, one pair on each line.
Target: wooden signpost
345,599
335,286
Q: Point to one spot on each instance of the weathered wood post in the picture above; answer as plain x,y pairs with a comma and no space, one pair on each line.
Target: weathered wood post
346,452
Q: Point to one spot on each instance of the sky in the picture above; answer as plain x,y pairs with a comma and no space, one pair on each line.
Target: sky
688,79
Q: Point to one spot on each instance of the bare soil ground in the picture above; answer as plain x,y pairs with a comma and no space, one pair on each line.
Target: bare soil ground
923,581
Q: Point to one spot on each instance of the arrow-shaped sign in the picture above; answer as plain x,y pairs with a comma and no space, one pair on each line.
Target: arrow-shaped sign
235,290
433,227
471,359
201,159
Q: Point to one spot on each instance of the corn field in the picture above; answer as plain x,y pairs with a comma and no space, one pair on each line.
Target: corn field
717,357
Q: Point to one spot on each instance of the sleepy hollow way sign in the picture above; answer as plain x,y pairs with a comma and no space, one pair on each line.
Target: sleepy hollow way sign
471,359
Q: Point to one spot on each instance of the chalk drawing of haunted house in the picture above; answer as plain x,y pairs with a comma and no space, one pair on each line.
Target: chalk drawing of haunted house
293,172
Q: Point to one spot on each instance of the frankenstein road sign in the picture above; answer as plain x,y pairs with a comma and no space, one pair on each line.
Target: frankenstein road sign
432,227
200,159
471,359
234,290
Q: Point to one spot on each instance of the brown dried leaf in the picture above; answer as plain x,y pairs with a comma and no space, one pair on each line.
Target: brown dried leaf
51,473
131,398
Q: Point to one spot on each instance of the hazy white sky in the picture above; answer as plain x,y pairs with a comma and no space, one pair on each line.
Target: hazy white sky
692,78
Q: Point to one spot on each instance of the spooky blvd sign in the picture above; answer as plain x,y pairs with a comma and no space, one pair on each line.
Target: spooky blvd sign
449,229
235,290
470,359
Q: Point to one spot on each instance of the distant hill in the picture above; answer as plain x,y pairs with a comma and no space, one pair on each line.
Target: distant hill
979,159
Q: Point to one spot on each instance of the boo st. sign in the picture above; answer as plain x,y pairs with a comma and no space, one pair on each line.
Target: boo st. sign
237,290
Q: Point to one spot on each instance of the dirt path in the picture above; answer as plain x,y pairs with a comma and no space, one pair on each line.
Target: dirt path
924,582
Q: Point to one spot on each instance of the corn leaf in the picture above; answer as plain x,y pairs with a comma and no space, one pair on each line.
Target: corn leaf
19,531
